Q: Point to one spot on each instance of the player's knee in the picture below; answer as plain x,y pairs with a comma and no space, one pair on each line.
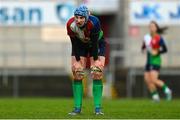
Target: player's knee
148,81
154,80
78,74
96,73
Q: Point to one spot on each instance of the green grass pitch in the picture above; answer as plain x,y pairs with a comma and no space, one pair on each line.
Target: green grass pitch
57,108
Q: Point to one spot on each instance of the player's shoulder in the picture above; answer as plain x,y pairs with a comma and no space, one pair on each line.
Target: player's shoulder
94,19
147,37
70,21
161,38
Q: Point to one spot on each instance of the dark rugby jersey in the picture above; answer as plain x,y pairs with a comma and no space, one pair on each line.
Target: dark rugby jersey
86,38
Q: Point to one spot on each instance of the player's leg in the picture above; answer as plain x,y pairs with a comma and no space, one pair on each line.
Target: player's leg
161,84
78,74
97,75
151,86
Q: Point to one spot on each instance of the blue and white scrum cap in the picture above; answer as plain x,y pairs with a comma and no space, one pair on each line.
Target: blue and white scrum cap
82,10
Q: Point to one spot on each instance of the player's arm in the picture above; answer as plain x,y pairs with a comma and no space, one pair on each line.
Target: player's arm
163,47
95,46
73,38
143,47
94,37
75,48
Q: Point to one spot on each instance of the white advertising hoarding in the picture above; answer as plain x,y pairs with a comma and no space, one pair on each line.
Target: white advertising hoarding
103,6
30,13
141,12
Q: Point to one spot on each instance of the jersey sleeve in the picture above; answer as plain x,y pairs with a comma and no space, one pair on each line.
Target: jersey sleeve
95,36
96,26
161,42
75,48
68,27
163,47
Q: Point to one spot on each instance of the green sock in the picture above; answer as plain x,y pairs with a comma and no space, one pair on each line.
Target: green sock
97,92
164,87
154,92
78,93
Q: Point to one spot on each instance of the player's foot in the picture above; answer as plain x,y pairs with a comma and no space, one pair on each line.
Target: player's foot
168,95
76,111
156,98
98,111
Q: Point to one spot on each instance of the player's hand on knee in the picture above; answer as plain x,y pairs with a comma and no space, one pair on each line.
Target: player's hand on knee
96,72
98,65
78,74
95,69
78,71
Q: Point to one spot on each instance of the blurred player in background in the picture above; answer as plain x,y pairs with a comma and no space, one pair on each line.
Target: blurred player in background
87,39
155,46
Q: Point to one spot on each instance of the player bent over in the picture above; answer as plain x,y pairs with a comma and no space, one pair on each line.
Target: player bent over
87,39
